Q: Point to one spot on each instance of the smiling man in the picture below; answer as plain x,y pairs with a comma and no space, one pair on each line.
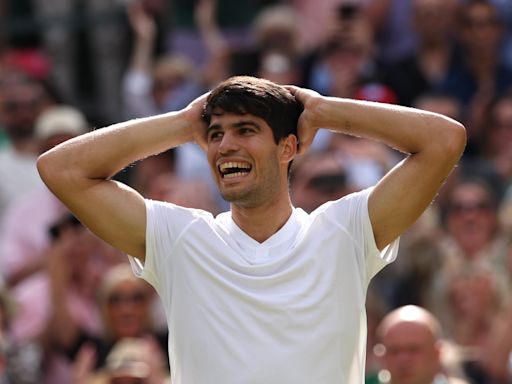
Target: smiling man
264,293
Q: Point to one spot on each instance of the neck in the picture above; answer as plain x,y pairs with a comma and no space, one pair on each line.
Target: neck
262,221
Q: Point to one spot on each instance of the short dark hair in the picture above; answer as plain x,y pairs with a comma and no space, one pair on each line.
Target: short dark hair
259,97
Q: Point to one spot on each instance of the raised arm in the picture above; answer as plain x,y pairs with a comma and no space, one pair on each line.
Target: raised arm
433,142
79,172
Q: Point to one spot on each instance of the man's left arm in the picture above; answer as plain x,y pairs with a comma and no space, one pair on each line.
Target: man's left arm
434,144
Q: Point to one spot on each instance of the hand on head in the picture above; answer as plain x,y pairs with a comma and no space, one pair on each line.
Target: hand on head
307,128
197,125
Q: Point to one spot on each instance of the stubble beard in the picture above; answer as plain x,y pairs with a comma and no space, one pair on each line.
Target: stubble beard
254,195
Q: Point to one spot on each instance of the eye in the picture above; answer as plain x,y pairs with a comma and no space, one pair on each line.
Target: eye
245,131
215,135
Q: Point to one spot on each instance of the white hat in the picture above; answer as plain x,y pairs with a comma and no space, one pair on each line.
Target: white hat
60,120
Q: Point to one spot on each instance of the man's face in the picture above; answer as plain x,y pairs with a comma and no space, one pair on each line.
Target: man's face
482,30
244,159
20,104
411,356
471,217
126,309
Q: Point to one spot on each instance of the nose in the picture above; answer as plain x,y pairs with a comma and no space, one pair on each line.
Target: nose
228,144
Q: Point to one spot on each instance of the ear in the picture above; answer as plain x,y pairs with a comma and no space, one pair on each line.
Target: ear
288,148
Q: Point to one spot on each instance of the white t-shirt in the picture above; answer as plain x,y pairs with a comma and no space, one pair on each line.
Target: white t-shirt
290,310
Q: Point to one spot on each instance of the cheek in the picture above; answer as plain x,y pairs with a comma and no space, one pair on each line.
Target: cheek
211,156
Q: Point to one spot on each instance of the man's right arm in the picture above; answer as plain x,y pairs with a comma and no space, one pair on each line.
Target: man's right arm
79,172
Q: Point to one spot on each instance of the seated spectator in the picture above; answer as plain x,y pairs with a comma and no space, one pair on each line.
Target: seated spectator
412,349
472,227
126,303
75,263
473,304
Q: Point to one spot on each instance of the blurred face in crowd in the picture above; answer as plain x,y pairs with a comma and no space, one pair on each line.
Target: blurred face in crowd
21,101
411,353
481,29
433,19
127,309
501,132
471,217
318,179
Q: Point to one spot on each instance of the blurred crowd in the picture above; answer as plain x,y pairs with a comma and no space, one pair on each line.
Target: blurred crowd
71,310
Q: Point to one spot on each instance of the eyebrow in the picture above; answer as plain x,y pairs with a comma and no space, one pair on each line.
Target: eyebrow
238,124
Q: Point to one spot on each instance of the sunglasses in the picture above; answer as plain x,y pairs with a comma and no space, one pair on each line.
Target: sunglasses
477,207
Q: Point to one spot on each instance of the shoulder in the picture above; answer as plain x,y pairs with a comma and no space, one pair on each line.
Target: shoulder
163,209
348,204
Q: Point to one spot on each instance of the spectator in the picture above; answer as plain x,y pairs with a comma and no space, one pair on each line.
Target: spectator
126,305
472,225
318,177
24,227
345,61
154,86
480,75
413,349
473,304
75,262
22,99
275,50
497,148
424,68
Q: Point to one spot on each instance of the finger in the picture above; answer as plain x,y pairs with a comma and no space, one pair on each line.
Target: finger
294,90
302,146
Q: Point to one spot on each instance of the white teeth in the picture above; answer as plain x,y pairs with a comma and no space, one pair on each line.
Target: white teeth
232,175
233,164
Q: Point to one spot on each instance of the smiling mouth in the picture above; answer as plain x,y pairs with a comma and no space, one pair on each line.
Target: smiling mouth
234,169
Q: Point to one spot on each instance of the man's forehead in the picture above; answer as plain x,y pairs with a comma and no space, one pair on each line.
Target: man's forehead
228,118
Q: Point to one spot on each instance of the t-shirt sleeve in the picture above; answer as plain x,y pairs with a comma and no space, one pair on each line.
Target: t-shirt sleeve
352,211
164,224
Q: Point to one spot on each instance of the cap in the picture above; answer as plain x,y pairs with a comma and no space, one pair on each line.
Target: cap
60,120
